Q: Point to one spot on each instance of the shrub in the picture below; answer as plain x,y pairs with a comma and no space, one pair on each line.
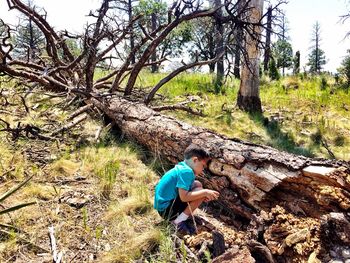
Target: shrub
324,83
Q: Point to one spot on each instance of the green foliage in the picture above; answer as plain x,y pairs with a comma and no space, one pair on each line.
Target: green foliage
283,53
324,83
149,7
317,60
173,44
273,71
344,69
108,174
296,63
175,41
29,41
317,57
202,44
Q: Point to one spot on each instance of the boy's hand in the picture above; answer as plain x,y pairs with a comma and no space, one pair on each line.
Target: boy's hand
211,195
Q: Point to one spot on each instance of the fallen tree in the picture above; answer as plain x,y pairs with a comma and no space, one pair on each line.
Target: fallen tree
249,176
252,179
299,193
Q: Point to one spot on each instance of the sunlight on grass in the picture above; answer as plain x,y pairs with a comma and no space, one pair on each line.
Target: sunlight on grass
134,247
299,105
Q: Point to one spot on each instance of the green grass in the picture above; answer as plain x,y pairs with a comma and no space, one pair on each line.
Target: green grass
298,115
296,108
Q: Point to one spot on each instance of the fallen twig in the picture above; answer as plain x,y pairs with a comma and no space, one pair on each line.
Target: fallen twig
325,145
79,111
97,134
57,256
178,107
70,125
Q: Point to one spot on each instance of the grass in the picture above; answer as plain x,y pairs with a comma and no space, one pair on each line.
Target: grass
118,223
296,107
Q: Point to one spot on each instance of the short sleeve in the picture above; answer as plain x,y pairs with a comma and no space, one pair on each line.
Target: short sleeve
184,180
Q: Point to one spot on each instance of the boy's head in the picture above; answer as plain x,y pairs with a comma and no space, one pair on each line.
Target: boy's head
197,158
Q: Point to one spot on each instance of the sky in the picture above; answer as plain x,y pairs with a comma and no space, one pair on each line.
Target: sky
301,14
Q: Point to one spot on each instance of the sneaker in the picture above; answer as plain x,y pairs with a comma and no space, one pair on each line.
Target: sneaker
185,228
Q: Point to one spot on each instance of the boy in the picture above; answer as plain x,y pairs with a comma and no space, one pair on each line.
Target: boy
178,194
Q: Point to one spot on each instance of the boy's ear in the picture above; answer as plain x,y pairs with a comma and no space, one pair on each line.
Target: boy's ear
195,158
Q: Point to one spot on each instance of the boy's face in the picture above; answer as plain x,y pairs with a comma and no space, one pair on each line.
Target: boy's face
199,165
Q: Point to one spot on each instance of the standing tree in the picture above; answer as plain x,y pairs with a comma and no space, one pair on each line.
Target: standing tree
296,63
283,53
202,44
317,57
219,43
344,69
248,98
28,41
238,41
273,70
267,54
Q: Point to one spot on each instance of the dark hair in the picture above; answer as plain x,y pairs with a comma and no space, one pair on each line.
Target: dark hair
195,151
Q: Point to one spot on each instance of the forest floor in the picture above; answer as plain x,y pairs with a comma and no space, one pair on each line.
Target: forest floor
97,191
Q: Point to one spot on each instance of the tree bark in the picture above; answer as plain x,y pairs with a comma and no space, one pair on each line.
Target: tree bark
267,53
132,37
219,43
154,67
249,177
248,96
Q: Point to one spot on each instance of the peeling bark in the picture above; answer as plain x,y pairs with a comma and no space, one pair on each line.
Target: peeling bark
249,177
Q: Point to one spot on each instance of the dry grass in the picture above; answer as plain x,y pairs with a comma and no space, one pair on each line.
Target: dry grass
116,223
118,229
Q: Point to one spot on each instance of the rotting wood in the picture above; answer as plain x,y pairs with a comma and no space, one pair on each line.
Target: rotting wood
255,176
57,256
79,111
70,125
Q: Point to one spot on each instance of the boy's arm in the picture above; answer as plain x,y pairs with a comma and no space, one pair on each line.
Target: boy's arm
188,196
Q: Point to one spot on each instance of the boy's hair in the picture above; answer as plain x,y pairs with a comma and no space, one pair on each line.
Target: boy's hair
195,151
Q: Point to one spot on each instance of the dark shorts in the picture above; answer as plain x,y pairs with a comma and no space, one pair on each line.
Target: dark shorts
175,208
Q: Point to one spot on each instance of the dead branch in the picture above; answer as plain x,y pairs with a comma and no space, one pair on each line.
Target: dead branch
178,107
70,125
57,256
176,72
326,146
25,131
79,111
24,104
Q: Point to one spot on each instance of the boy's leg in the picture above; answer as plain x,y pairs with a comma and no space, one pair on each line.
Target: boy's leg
193,205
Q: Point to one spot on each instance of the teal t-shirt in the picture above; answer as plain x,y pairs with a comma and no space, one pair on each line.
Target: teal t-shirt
181,176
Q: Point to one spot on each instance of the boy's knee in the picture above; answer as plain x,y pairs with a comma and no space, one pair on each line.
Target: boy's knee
197,184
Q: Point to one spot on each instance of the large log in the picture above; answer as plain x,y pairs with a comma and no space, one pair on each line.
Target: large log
249,177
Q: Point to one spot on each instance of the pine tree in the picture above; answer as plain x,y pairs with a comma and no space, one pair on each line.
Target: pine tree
317,57
296,63
283,53
273,71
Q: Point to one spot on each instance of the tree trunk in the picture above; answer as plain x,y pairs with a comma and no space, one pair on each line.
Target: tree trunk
154,67
267,54
219,42
237,64
132,40
249,177
248,96
238,43
211,50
